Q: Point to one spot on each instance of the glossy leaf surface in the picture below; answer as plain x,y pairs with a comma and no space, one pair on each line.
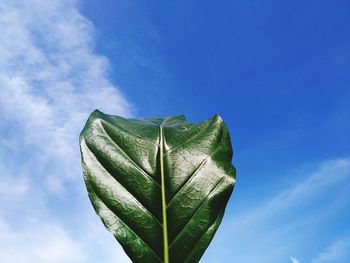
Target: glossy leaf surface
159,185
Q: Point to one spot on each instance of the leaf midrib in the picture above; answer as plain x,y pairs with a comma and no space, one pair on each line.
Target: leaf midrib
164,205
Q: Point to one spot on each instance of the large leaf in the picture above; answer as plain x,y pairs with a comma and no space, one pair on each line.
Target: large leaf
159,185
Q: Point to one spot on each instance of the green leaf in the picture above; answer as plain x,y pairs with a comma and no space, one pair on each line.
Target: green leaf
159,185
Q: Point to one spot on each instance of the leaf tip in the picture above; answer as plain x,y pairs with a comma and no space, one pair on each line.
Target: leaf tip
217,120
96,114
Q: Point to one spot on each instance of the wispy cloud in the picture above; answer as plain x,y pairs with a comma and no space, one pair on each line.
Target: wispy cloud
50,80
288,223
51,244
294,260
338,251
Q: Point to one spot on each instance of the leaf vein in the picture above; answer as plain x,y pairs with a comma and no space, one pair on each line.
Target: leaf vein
126,189
205,232
126,225
128,156
187,141
197,209
190,178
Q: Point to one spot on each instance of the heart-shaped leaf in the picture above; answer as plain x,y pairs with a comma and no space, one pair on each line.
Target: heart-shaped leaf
159,185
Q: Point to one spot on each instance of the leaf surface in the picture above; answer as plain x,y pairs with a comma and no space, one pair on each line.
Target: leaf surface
159,185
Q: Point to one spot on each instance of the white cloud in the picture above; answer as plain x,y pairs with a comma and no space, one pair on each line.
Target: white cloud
294,260
51,245
12,189
43,242
51,79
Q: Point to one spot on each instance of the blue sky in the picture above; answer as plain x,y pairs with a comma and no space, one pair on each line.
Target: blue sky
276,71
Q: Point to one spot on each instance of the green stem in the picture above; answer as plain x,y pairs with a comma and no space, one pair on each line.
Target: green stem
165,226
